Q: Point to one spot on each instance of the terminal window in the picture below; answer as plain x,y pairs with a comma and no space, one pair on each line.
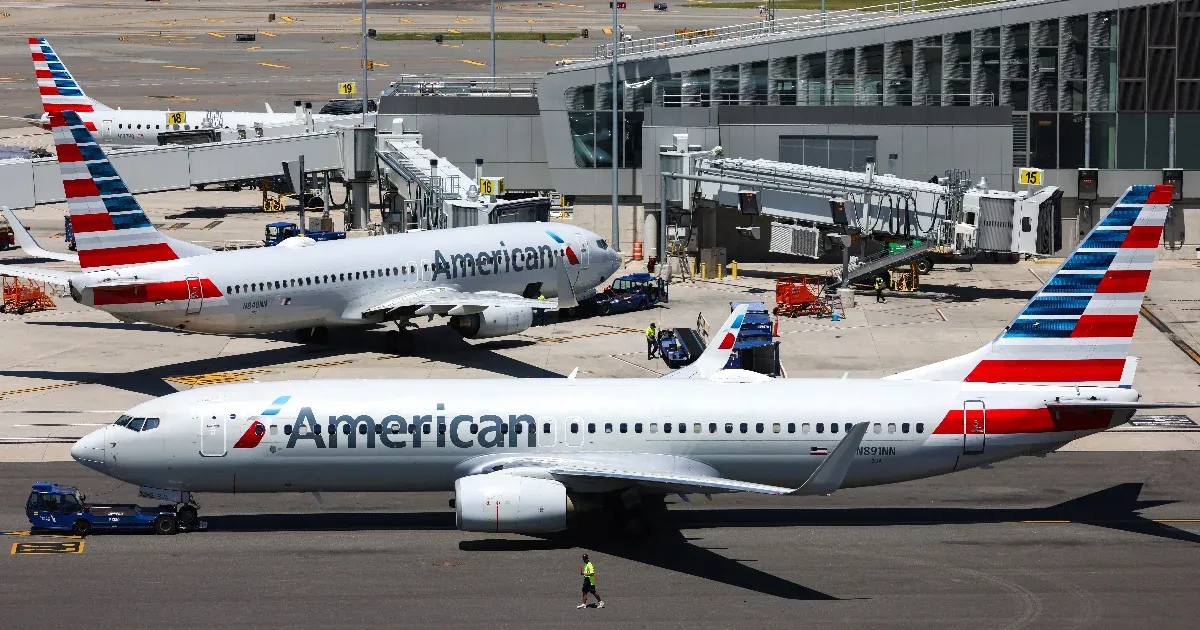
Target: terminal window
839,152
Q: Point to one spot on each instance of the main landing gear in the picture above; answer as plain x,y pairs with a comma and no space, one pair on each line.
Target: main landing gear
401,342
318,334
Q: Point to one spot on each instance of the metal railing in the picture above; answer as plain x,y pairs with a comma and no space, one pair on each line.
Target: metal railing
467,85
812,99
818,23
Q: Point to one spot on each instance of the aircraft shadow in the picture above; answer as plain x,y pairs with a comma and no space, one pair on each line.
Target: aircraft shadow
954,293
433,344
669,549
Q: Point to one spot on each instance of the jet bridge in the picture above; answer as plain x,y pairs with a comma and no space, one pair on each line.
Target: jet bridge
423,191
814,209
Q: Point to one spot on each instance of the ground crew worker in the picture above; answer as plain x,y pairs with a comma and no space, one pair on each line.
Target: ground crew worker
879,290
540,312
651,341
589,583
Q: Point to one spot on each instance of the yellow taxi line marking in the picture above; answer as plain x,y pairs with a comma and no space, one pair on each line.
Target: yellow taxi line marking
271,65
183,68
473,63
456,31
380,64
215,377
608,31
287,19
407,21
621,331
254,48
216,35
43,388
548,44
212,225
347,48
321,365
45,548
267,34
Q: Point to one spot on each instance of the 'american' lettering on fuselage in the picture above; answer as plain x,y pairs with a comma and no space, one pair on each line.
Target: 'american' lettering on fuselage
488,430
491,262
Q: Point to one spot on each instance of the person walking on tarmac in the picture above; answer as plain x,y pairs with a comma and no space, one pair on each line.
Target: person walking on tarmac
540,313
651,341
589,583
879,290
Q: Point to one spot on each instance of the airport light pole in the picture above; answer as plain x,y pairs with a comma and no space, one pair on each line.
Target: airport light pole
493,64
614,135
365,92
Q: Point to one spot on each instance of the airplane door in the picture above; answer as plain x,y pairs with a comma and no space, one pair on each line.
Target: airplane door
212,435
974,427
583,251
547,438
573,431
106,130
195,295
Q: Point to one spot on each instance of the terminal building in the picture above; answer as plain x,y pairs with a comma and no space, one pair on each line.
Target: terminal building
919,89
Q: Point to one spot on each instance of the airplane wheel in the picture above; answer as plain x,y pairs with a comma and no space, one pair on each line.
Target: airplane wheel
401,343
165,525
81,528
187,517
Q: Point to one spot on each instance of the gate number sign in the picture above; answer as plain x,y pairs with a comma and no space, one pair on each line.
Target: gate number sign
347,88
176,118
1031,177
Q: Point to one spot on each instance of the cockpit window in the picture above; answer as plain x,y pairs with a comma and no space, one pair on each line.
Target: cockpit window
601,243
151,423
122,421
136,424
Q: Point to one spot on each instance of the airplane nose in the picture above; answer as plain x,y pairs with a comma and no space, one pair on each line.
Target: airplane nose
89,450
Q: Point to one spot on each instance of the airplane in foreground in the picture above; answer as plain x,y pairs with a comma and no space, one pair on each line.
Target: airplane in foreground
486,279
127,127
525,456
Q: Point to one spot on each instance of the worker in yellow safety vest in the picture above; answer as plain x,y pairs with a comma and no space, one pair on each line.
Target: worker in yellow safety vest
879,290
651,341
589,583
540,312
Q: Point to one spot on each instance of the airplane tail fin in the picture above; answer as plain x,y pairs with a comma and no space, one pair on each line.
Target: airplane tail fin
58,87
1077,329
110,227
716,355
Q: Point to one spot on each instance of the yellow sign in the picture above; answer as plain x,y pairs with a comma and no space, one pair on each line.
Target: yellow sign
176,118
1031,176
347,88
43,548
491,186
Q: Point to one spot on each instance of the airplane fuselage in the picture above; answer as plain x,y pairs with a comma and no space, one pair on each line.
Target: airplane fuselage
330,283
127,127
408,435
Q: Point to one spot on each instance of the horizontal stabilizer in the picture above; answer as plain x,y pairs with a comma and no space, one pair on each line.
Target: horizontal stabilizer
49,276
29,245
1107,404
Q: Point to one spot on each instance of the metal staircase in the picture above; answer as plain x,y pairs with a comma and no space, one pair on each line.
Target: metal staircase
872,265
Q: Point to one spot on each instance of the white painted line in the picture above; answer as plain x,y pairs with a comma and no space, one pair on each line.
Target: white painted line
939,311
642,367
1039,278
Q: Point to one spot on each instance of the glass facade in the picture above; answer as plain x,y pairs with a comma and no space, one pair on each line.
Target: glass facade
1111,89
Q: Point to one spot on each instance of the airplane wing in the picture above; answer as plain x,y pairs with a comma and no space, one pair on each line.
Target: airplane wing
28,244
826,479
716,355
50,276
448,300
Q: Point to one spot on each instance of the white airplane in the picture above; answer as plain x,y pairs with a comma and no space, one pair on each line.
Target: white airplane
60,91
524,455
485,278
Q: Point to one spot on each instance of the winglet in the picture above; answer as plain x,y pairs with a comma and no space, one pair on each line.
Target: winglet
566,292
573,374
828,477
28,244
269,110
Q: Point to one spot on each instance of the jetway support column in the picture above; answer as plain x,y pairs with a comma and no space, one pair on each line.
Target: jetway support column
360,201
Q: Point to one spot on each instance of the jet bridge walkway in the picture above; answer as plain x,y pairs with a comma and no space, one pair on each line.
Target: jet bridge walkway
29,183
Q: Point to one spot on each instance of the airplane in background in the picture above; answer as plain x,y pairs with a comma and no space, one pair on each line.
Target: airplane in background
527,456
486,279
60,91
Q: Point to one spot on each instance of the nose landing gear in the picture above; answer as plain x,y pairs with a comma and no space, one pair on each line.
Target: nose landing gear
401,342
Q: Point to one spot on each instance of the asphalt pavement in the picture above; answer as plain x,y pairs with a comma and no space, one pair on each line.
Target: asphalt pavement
1072,540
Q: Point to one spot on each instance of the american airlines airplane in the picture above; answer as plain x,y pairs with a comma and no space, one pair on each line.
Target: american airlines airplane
486,279
60,91
526,456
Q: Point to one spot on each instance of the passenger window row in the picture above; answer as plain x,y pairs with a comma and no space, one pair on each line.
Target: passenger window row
744,427
276,285
137,424
130,126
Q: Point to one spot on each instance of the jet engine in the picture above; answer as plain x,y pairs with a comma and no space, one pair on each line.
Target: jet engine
501,503
494,321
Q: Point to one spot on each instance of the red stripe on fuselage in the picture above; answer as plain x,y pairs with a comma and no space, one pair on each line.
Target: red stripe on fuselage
1046,371
1143,237
252,436
1124,281
174,290
132,255
1105,326
1009,421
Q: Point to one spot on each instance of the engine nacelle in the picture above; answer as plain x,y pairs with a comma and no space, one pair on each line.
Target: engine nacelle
494,321
510,504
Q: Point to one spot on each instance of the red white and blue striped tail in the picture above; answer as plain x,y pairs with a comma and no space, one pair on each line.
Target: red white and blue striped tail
1077,329
58,88
111,230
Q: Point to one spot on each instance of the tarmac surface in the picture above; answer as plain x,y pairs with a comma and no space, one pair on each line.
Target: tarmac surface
1073,540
